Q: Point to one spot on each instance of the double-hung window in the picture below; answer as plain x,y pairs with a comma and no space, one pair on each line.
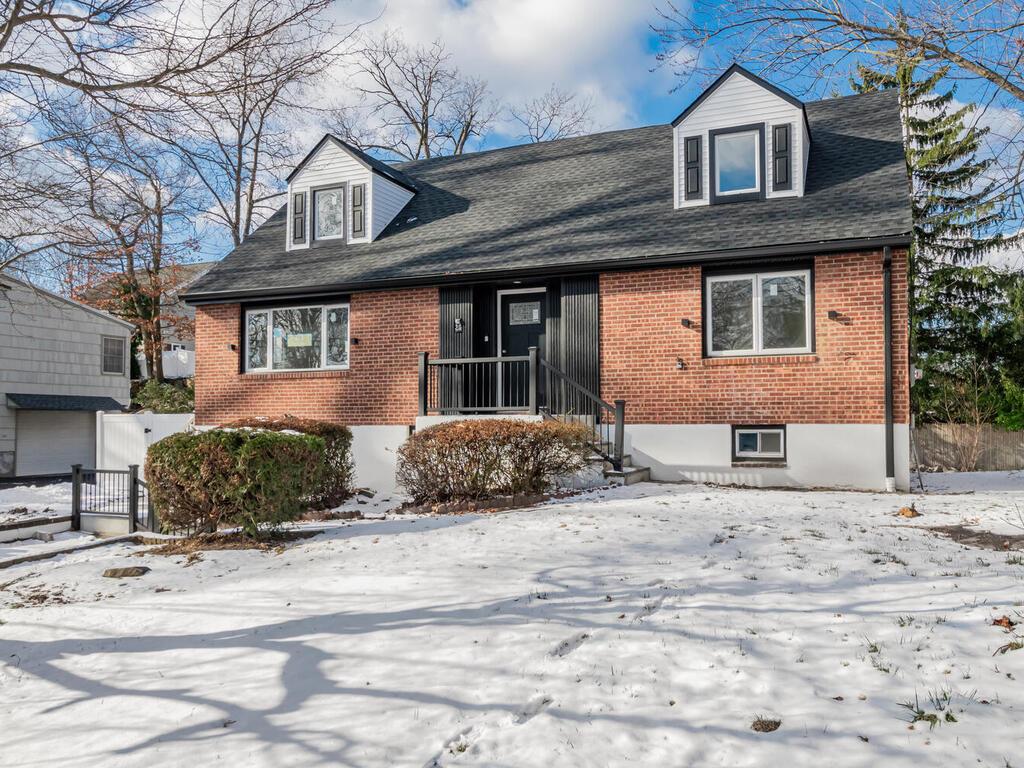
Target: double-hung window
297,338
113,355
764,313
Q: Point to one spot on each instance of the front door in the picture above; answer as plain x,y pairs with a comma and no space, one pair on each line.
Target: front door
520,326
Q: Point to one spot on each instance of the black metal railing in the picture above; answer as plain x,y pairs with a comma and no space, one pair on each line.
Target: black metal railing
569,401
478,384
527,384
112,493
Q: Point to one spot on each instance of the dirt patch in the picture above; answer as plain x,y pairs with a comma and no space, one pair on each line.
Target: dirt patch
972,537
483,506
320,516
207,542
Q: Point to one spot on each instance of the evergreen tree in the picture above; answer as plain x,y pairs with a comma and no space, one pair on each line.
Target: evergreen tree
964,315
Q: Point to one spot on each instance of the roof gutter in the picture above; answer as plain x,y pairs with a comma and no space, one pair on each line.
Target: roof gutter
644,262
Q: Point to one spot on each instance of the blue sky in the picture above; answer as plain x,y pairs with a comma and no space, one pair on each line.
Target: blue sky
601,49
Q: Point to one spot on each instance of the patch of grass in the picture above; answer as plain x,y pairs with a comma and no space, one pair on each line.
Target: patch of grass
764,724
1014,560
904,621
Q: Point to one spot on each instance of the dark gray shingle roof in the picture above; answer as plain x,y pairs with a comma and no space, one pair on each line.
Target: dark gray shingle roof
590,201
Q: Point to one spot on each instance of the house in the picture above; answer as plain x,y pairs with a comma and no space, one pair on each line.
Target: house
60,363
722,299
177,325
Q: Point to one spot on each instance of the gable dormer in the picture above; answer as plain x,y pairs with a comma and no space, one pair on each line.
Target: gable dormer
742,139
340,194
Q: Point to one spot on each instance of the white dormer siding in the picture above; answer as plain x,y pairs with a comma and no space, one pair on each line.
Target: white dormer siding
330,166
388,201
741,101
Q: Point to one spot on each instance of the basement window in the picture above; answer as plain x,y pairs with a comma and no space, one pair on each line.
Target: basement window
759,443
297,338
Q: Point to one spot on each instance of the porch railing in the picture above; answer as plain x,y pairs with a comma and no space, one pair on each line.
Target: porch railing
525,384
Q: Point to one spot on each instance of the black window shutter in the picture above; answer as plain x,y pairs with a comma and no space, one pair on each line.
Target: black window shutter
299,217
359,210
782,158
692,156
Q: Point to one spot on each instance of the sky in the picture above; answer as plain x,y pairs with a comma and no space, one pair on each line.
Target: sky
604,50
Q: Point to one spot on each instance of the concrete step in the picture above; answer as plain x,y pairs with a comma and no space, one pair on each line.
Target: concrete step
627,475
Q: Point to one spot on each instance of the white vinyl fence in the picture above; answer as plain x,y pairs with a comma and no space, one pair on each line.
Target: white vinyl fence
122,439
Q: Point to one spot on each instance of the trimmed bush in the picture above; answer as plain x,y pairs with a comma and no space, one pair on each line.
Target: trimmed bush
256,480
477,459
339,471
164,397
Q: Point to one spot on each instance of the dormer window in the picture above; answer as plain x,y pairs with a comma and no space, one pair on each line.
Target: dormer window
737,163
329,213
742,139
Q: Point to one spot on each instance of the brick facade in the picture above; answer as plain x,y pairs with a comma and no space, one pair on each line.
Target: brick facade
842,382
641,339
378,388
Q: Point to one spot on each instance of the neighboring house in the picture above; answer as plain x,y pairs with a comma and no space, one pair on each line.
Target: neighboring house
60,363
737,278
177,330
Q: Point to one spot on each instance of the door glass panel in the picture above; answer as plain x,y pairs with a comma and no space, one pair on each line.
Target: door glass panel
524,313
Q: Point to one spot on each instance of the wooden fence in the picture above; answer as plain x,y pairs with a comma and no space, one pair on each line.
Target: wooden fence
950,446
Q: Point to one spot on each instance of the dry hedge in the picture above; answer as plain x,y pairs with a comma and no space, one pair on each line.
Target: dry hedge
484,458
256,480
339,472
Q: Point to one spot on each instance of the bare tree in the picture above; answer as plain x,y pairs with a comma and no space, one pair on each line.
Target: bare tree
238,143
132,200
132,59
966,405
557,114
414,102
979,38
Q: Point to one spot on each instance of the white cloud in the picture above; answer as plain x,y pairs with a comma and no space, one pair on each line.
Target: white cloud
597,48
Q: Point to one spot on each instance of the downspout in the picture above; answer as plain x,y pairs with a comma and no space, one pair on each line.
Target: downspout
890,462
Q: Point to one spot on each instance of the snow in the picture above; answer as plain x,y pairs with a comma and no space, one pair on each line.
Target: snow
968,482
68,540
643,626
21,502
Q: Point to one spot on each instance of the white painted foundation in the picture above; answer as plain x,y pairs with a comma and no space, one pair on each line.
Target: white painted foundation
375,455
817,455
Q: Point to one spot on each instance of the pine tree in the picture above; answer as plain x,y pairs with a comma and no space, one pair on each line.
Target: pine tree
961,317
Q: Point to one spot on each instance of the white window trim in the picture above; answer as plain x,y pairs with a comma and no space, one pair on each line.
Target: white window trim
314,212
757,164
269,367
759,454
124,356
758,349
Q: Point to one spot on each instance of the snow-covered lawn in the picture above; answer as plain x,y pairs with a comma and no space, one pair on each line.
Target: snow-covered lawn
644,626
21,502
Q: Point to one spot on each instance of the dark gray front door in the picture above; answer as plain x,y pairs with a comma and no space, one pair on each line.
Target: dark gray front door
521,322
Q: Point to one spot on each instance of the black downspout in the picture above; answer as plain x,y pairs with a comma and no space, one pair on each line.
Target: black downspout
890,463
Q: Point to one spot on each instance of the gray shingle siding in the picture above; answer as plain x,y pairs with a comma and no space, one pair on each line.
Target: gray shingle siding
593,201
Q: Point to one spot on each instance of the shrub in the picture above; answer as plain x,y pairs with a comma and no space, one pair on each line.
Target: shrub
475,459
164,397
339,471
256,480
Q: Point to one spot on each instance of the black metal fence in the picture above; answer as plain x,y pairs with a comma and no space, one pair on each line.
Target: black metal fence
117,493
528,385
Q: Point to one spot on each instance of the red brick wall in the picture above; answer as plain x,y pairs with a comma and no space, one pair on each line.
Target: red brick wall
380,386
641,338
